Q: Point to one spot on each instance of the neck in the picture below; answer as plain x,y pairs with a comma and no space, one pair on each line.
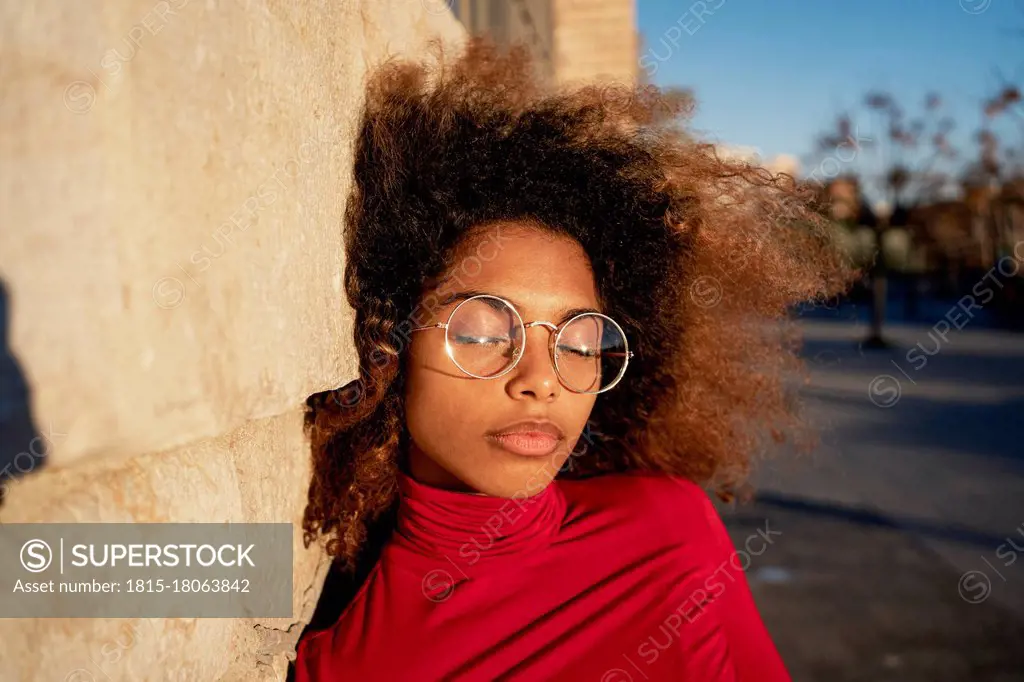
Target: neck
441,523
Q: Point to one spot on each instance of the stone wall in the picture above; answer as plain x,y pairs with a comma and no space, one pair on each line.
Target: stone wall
173,176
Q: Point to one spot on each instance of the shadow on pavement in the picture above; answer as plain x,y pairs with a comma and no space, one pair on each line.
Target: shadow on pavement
848,597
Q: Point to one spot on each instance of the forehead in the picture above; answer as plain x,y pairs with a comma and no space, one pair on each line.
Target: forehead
539,271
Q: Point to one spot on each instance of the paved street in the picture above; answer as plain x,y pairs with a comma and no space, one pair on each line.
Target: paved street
895,560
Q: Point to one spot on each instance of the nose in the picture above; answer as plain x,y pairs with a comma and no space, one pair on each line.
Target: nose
534,375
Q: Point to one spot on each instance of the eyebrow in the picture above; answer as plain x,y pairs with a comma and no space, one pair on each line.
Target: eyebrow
562,314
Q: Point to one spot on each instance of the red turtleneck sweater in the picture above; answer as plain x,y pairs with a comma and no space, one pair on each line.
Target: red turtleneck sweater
617,578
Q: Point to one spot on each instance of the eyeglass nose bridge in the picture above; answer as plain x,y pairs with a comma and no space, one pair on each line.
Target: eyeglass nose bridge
518,352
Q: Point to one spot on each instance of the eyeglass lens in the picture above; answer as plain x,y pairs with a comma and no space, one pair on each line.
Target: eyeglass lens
485,336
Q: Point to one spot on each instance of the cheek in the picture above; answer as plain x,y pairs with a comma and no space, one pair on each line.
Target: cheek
582,408
439,403
426,367
445,423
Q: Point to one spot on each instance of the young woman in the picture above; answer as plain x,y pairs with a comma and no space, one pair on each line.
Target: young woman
567,320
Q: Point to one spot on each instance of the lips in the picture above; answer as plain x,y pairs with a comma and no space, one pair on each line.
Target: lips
529,438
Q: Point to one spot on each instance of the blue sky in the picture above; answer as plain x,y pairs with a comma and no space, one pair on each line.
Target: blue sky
773,74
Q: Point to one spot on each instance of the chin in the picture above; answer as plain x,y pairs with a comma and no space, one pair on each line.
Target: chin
519,476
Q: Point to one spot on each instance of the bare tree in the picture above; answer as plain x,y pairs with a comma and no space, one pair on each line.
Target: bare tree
993,181
905,163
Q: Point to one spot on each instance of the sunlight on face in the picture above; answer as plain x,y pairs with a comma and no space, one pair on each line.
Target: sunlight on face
455,421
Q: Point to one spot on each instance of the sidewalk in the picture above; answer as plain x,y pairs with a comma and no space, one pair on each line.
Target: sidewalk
894,560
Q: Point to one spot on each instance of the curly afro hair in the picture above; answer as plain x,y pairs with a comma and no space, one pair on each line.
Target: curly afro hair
699,259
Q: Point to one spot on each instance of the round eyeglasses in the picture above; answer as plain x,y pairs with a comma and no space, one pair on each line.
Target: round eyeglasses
485,337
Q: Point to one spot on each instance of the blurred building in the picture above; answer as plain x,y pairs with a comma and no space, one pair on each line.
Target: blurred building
952,235
845,200
570,40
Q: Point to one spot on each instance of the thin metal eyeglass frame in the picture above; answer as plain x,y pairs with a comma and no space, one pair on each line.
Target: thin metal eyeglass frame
552,342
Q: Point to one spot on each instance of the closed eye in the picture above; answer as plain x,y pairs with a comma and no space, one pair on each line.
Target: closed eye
481,340
580,351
